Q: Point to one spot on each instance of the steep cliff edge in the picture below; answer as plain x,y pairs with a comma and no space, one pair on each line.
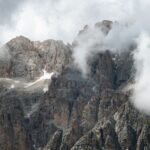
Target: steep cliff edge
74,112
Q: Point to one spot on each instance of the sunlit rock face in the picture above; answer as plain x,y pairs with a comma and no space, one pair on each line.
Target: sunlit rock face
47,103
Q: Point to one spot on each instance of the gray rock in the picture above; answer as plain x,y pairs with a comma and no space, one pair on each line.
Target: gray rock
76,113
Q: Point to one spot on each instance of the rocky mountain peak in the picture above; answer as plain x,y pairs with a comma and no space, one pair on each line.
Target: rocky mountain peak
28,58
47,104
104,25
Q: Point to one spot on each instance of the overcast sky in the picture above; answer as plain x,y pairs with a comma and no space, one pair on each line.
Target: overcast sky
57,19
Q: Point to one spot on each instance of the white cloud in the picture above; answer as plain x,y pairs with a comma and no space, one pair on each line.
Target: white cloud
59,19
120,38
141,90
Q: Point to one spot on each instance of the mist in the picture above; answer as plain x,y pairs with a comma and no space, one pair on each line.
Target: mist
56,19
4,53
132,32
141,90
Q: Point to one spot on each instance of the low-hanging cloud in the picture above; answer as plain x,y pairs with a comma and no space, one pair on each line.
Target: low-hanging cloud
56,19
93,40
135,32
4,53
141,90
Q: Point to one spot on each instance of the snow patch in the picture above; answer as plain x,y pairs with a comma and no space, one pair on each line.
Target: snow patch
41,83
12,86
45,89
46,76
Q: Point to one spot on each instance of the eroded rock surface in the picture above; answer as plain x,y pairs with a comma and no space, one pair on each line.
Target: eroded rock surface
75,113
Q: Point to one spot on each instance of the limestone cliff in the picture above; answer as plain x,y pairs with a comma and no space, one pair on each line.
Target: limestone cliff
74,113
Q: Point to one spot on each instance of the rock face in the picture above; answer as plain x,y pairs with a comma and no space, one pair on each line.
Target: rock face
27,58
76,113
12,132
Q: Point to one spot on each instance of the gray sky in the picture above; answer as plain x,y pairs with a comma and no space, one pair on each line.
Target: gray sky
57,19
7,9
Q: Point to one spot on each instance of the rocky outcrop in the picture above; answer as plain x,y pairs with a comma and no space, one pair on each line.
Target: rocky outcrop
74,113
26,61
13,135
27,58
104,25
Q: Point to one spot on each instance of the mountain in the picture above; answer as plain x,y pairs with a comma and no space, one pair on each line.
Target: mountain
47,104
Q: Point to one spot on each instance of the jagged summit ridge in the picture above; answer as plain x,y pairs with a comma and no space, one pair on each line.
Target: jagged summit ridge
28,59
